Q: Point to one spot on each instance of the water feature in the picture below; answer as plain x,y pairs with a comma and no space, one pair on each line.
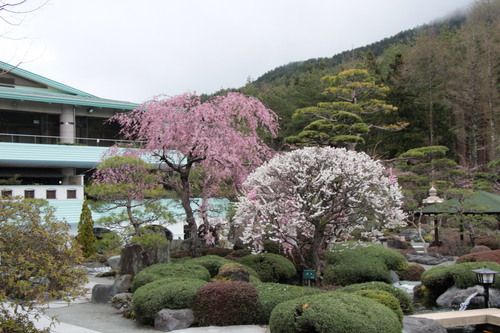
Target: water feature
464,304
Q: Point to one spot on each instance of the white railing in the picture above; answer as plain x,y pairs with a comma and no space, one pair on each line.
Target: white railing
45,139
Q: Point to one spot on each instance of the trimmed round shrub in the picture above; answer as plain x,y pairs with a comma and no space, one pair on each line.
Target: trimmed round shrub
412,273
160,271
357,262
438,279
405,301
384,298
333,312
210,262
226,303
167,293
270,267
343,252
271,294
232,272
216,251
358,271
479,248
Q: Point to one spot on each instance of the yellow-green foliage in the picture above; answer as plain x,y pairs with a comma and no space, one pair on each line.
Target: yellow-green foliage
232,272
383,297
85,236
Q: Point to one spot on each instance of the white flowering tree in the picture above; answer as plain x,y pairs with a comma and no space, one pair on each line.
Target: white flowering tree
309,198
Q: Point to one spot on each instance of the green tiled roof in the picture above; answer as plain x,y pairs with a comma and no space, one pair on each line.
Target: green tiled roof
480,202
58,92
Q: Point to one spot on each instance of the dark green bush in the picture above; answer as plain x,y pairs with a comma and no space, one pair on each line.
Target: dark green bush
167,293
412,273
358,271
270,267
213,264
404,299
271,294
384,298
160,271
226,303
342,252
357,262
210,262
333,312
438,279
232,272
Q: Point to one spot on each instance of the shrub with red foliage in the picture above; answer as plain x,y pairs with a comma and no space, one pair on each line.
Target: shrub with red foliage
489,256
412,273
226,303
489,241
216,251
479,248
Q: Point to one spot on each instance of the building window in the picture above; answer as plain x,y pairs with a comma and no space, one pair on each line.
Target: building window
51,194
6,193
29,194
71,194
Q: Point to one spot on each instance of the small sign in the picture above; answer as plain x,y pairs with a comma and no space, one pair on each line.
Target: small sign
309,274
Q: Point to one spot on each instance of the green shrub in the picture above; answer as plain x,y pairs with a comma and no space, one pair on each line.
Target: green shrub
270,267
271,294
384,298
160,271
233,272
404,299
357,262
210,262
343,252
412,273
167,293
226,303
438,279
333,312
358,271
213,264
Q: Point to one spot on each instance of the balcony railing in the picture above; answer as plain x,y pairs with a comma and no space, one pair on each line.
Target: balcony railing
44,139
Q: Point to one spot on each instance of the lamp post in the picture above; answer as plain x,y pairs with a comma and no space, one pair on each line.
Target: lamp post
431,200
486,277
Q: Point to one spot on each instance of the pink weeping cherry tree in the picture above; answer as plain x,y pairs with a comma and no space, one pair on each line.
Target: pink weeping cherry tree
309,198
200,146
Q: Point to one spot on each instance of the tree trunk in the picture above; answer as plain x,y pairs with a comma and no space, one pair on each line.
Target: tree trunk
195,249
316,245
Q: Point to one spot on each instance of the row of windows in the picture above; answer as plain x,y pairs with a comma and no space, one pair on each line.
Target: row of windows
49,194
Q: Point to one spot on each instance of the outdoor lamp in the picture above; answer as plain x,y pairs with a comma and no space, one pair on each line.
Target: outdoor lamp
486,277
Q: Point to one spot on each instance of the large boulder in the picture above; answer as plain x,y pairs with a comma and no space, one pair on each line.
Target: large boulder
454,297
168,320
101,293
135,257
421,325
114,262
429,258
122,284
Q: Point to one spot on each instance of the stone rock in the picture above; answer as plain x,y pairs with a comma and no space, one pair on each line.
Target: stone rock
421,325
122,284
429,258
101,293
180,245
453,297
168,320
394,277
411,234
136,257
396,243
114,262
122,302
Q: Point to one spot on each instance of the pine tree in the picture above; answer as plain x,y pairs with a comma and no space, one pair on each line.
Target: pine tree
85,236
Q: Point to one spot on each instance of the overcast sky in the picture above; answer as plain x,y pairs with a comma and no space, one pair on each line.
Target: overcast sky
133,50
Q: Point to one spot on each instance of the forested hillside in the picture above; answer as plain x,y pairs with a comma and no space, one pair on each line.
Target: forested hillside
441,81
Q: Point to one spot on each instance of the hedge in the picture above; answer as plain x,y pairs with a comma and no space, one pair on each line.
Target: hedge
384,298
438,279
160,271
225,303
167,293
270,267
357,262
404,299
333,312
271,294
